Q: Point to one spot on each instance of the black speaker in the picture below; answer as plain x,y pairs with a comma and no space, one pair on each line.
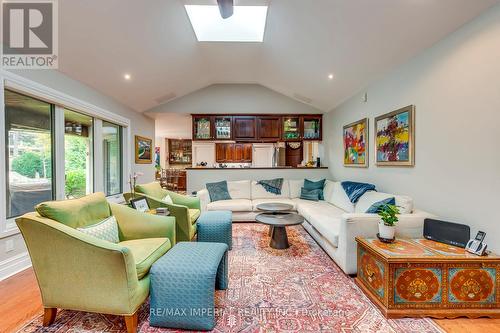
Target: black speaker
447,232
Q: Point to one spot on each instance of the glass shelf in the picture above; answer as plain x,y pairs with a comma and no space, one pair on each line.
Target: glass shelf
223,128
291,128
202,128
311,129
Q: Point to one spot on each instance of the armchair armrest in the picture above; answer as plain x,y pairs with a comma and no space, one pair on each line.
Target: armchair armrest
204,198
136,225
80,272
184,200
354,225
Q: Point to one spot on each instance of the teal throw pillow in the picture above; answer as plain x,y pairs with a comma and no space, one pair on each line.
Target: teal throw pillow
319,185
312,195
218,191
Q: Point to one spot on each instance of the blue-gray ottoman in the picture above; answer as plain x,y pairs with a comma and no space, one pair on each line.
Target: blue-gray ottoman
215,226
183,284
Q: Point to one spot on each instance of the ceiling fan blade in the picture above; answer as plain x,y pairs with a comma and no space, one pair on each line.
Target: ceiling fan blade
225,8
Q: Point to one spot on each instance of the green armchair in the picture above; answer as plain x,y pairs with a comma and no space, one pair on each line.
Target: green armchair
79,272
186,210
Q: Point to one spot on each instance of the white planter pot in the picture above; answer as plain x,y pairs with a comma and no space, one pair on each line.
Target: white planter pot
386,231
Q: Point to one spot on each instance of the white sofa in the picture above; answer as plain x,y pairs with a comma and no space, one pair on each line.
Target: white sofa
333,223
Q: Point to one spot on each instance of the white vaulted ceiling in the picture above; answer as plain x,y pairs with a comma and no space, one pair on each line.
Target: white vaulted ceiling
304,41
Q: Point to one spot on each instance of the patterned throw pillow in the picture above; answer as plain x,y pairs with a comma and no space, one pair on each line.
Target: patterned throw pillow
312,195
379,204
319,185
167,199
218,191
106,230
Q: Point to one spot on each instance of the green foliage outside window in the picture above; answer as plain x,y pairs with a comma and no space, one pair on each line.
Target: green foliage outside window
28,164
75,166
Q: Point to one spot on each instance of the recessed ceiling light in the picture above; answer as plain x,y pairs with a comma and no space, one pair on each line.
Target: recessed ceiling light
127,77
330,76
247,24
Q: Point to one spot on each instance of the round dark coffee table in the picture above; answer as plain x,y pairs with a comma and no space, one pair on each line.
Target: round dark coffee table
273,207
278,221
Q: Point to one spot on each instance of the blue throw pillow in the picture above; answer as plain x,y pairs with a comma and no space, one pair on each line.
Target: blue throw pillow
377,205
355,190
310,194
319,185
218,191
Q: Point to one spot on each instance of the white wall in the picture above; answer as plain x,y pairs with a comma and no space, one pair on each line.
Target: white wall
140,125
234,98
455,86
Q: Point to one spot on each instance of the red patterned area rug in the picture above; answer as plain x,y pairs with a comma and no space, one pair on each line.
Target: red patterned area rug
295,290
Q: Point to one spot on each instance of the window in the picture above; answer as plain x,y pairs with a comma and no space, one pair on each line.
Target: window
78,159
247,24
112,150
29,153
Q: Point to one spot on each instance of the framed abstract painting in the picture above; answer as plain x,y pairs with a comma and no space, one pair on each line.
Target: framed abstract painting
394,138
143,150
356,144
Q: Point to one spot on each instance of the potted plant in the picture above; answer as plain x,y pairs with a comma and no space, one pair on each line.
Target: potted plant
388,219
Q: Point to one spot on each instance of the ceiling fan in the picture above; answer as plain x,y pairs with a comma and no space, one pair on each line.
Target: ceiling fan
226,8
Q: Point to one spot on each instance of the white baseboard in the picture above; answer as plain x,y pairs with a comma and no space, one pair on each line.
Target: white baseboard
14,265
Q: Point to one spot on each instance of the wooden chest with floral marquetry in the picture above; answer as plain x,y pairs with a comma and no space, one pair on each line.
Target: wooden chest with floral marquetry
423,278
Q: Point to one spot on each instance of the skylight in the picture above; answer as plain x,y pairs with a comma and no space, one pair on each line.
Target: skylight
246,25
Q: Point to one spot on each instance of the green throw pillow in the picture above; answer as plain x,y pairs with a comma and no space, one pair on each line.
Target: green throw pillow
106,230
319,185
218,191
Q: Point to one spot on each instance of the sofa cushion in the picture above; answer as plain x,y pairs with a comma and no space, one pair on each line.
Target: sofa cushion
328,190
340,199
259,192
404,203
323,216
152,189
106,230
295,187
146,251
234,205
193,215
278,200
76,213
239,189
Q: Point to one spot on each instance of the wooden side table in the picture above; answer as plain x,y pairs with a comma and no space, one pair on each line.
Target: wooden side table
423,278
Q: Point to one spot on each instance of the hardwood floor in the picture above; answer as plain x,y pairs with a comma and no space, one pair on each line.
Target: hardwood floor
20,301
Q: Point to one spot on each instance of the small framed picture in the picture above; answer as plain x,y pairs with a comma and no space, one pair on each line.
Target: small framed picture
143,150
141,204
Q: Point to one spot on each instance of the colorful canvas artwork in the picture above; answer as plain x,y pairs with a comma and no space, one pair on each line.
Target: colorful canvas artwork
356,144
394,137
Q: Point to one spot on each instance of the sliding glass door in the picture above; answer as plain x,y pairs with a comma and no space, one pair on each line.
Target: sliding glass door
37,170
29,152
112,149
78,156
